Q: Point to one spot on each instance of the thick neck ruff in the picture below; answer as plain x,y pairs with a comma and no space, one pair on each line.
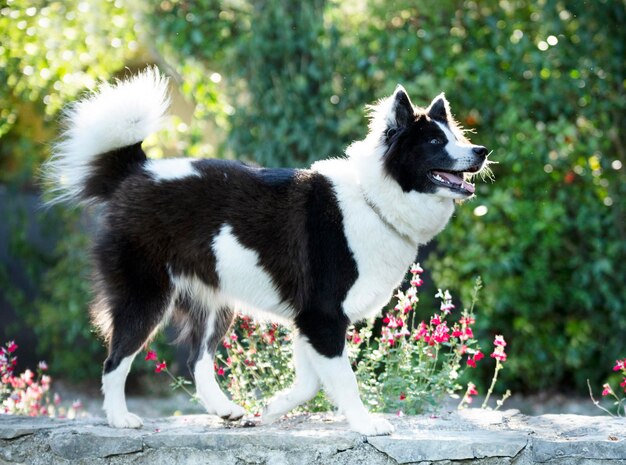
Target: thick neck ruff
405,237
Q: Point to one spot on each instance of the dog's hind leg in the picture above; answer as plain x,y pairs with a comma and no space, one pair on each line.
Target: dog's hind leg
205,340
305,387
136,296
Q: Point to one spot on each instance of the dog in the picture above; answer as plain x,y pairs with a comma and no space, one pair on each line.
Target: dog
196,240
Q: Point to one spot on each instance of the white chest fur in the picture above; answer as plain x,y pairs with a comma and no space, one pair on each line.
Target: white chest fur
379,246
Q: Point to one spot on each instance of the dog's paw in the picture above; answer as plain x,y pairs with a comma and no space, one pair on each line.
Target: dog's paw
269,415
124,420
374,427
228,411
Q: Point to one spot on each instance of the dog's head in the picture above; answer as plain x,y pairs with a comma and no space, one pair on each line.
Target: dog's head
424,150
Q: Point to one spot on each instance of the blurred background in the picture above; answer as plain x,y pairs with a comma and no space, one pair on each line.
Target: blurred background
284,83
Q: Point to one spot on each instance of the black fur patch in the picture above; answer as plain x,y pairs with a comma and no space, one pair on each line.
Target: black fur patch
290,218
108,170
411,155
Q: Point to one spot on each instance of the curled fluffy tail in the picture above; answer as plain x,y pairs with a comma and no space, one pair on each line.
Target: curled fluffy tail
101,141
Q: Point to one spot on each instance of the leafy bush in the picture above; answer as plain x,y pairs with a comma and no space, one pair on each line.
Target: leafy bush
541,82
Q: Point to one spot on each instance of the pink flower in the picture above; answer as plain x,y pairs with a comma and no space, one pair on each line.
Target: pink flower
471,389
400,413
471,362
499,341
422,331
77,404
11,346
623,384
151,355
467,320
467,334
160,367
233,337
416,281
227,344
620,365
606,390
416,268
499,355
355,338
43,366
220,371
441,333
446,307
435,320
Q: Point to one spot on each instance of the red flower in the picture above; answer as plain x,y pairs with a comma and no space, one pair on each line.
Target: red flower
11,346
620,365
160,367
606,390
417,282
220,371
499,341
402,396
478,355
471,362
233,337
623,384
471,390
499,355
151,355
435,320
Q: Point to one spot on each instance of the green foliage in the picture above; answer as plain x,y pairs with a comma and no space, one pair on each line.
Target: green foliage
551,244
285,82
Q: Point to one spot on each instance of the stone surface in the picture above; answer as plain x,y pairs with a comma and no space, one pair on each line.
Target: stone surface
468,436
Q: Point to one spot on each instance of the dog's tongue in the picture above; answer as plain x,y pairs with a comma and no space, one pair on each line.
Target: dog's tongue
454,179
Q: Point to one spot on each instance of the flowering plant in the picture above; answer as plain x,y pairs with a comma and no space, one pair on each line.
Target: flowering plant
406,366
29,393
607,391
411,367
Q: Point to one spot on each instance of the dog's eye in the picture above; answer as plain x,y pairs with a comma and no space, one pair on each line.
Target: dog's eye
436,141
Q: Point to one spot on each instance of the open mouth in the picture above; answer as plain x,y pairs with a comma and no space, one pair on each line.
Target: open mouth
454,180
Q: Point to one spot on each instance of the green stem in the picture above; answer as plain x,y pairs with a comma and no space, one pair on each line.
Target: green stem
595,402
493,383
180,385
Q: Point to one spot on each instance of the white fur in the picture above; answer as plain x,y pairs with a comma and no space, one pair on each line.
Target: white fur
115,116
171,168
341,386
114,405
461,152
209,392
418,216
306,385
243,281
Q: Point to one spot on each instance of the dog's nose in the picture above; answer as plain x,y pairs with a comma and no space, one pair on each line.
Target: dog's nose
480,151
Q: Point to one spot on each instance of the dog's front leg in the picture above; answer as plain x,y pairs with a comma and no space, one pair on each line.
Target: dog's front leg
340,384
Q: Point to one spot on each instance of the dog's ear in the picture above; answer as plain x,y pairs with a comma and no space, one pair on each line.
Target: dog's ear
401,112
439,109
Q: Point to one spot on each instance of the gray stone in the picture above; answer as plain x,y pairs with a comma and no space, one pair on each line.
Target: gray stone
94,442
471,436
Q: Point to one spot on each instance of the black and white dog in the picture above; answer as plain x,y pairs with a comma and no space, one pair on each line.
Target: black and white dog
198,240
